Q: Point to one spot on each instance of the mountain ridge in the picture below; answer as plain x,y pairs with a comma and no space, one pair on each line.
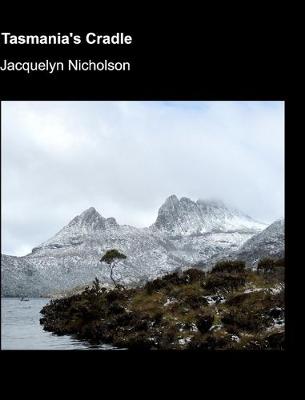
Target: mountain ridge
206,216
188,234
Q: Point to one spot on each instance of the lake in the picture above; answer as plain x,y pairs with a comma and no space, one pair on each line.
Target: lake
21,330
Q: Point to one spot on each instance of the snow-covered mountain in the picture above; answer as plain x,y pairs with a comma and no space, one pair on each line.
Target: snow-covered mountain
185,217
185,233
200,230
88,224
268,243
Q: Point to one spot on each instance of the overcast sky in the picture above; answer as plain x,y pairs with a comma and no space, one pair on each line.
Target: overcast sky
125,158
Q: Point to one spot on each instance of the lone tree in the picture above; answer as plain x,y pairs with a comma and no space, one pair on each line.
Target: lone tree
112,257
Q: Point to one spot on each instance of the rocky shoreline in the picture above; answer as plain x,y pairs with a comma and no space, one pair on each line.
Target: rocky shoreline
227,308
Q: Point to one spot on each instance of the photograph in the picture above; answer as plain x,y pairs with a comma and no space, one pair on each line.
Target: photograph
147,225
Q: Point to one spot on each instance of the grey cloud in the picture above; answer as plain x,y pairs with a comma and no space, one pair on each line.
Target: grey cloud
125,158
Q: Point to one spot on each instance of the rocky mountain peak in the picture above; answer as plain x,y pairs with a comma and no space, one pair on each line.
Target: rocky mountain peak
171,201
91,220
185,200
87,224
89,216
185,216
89,211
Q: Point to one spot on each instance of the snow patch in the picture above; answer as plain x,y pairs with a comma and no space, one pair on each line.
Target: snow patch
252,290
170,301
235,338
184,340
216,328
215,299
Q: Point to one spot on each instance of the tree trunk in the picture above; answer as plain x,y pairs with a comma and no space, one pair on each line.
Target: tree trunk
111,273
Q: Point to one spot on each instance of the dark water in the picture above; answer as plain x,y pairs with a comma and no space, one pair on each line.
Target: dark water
21,330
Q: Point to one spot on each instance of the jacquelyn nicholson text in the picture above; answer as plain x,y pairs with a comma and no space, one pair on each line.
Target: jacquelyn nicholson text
52,67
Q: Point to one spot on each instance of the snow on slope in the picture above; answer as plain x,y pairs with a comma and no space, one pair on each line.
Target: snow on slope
185,217
268,243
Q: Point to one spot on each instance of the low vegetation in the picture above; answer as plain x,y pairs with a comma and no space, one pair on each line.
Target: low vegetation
228,308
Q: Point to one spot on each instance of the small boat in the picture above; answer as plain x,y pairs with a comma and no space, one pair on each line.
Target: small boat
24,299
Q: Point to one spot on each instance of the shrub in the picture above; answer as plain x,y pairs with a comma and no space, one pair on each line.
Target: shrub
93,330
140,341
195,300
193,275
141,325
213,341
169,335
96,286
276,312
88,312
238,299
245,319
253,311
155,285
115,308
125,319
271,268
187,295
157,317
258,302
175,279
280,262
254,342
278,299
224,281
266,265
114,295
276,340
204,322
229,266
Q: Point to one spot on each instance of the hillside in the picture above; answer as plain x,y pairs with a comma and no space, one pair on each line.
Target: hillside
228,308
